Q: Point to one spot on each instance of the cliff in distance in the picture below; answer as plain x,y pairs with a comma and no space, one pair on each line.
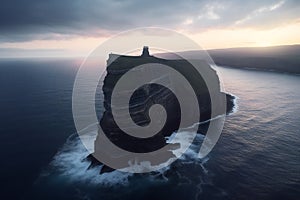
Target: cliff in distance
284,58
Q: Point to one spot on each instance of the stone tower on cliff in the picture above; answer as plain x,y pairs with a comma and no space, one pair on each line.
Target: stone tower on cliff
145,52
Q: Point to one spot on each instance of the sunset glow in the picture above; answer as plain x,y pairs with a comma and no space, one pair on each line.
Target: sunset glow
213,25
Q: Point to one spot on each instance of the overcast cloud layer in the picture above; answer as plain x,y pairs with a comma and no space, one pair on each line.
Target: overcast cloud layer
22,20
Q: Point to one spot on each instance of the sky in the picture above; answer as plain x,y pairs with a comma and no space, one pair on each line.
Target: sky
75,27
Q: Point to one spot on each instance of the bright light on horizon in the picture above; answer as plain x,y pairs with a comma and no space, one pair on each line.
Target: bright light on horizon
208,39
229,38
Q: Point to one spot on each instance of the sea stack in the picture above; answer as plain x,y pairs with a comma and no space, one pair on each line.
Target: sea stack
146,96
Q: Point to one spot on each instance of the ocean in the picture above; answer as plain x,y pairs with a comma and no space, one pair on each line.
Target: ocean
256,157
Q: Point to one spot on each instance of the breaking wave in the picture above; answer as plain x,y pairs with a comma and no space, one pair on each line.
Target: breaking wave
70,164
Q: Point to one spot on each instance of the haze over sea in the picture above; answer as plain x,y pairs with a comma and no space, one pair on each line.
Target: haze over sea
257,156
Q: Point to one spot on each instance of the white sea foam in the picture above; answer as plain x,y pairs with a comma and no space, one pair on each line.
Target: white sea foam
235,104
70,163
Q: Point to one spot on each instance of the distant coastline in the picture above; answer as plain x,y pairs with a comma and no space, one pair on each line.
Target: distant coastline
278,58
260,69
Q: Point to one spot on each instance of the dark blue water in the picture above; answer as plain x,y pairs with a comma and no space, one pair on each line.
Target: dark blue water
36,118
257,156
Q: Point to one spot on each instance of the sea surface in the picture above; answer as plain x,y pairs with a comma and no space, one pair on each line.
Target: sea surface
256,157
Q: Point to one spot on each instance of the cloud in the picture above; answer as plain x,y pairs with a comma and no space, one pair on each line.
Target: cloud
22,20
19,52
210,12
259,11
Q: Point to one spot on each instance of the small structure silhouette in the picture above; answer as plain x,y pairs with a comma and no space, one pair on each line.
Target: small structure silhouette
145,52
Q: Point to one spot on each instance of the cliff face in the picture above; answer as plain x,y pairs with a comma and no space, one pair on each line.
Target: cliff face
146,96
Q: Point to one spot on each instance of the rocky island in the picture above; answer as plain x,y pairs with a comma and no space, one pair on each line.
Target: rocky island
146,96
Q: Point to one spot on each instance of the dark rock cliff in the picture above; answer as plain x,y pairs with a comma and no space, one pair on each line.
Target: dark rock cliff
146,96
